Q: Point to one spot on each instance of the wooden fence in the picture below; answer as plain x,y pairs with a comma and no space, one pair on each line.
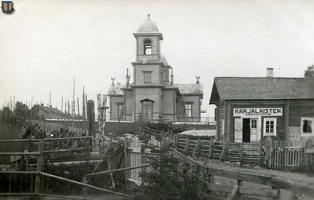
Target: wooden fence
283,155
274,154
244,153
30,181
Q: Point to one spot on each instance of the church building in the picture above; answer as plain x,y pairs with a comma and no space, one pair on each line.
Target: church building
153,94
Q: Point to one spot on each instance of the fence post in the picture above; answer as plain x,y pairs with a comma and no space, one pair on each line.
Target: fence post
198,147
125,142
241,153
260,146
211,143
240,184
175,138
187,148
90,117
84,180
39,166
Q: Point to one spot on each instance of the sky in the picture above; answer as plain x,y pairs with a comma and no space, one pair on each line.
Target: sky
44,45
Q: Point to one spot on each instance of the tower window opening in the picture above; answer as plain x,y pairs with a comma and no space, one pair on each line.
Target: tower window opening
147,47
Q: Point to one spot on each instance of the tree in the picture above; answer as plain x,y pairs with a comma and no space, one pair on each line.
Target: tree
21,110
7,115
166,181
309,72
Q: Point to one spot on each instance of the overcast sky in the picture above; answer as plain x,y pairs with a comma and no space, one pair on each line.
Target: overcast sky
46,44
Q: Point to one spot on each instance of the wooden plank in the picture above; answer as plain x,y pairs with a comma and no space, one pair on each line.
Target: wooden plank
219,187
233,192
84,184
295,187
19,153
19,172
265,192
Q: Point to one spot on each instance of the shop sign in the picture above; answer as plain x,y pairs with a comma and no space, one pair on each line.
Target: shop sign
241,112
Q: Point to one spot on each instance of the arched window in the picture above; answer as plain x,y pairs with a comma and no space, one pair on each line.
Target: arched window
147,47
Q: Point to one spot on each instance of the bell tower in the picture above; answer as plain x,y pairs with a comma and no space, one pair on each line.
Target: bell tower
148,42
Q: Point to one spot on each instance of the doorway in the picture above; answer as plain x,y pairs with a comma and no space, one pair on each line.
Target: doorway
246,130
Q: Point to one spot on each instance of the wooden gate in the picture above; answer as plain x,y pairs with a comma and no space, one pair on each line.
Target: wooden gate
139,155
283,155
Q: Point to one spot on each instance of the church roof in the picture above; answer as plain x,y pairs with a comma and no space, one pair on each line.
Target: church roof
190,88
148,27
253,88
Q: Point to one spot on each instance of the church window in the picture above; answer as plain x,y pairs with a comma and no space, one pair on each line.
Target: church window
147,77
120,109
147,47
188,110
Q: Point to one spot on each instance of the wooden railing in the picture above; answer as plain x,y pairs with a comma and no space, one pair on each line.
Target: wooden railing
275,183
35,177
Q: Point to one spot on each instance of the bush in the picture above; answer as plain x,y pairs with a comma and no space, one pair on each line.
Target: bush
165,180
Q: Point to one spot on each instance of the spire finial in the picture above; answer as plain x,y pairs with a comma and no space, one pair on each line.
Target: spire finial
148,16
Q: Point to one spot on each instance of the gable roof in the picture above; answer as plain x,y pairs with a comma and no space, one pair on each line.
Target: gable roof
253,88
50,110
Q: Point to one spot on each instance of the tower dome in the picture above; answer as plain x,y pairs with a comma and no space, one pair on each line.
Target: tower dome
148,26
163,59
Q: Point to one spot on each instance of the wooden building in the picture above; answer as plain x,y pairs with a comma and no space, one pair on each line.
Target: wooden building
250,108
42,112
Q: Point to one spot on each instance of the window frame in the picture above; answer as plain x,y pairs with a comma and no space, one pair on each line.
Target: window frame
302,123
148,46
274,133
120,110
149,73
186,113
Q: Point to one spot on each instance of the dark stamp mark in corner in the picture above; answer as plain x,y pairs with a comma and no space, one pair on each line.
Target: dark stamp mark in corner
7,7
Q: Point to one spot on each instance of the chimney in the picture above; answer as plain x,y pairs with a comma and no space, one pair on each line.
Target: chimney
112,79
270,72
127,77
171,77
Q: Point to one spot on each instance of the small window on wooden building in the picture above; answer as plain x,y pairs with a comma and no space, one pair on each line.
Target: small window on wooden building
147,47
253,123
188,110
270,126
307,126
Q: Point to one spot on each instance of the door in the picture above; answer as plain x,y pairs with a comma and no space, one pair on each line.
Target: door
254,130
147,110
237,129
246,130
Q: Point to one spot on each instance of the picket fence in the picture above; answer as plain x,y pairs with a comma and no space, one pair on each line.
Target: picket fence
283,155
